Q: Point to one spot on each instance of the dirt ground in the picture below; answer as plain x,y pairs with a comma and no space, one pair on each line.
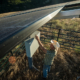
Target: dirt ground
66,66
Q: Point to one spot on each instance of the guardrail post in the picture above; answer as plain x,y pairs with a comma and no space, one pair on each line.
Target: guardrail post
31,45
30,62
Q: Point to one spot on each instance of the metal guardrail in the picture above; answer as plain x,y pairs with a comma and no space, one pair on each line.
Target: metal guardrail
14,32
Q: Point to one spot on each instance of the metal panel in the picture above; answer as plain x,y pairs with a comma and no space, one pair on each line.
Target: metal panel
11,25
31,44
20,28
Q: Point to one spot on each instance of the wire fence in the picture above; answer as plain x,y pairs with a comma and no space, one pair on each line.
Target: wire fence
4,62
68,40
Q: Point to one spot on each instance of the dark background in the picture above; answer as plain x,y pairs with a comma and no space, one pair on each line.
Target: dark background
18,5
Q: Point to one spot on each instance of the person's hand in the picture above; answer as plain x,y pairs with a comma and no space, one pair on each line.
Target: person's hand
37,37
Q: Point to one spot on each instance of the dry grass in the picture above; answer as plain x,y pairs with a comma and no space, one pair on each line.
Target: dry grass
73,24
65,67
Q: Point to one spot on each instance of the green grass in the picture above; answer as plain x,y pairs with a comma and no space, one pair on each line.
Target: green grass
72,24
77,49
67,24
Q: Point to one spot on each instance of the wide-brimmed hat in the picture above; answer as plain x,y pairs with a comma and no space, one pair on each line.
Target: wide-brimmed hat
55,44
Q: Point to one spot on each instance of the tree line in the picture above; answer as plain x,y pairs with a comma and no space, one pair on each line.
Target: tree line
17,5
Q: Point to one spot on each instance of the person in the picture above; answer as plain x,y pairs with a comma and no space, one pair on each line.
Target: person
49,54
53,46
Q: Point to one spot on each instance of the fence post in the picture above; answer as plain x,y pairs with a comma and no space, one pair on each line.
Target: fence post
11,53
58,34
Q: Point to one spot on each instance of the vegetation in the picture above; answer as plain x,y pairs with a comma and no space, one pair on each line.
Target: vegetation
66,65
69,36
18,5
69,24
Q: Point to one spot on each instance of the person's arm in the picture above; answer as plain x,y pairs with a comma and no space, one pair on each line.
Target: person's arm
41,45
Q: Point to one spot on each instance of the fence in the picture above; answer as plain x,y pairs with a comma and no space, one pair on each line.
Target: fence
4,63
68,40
